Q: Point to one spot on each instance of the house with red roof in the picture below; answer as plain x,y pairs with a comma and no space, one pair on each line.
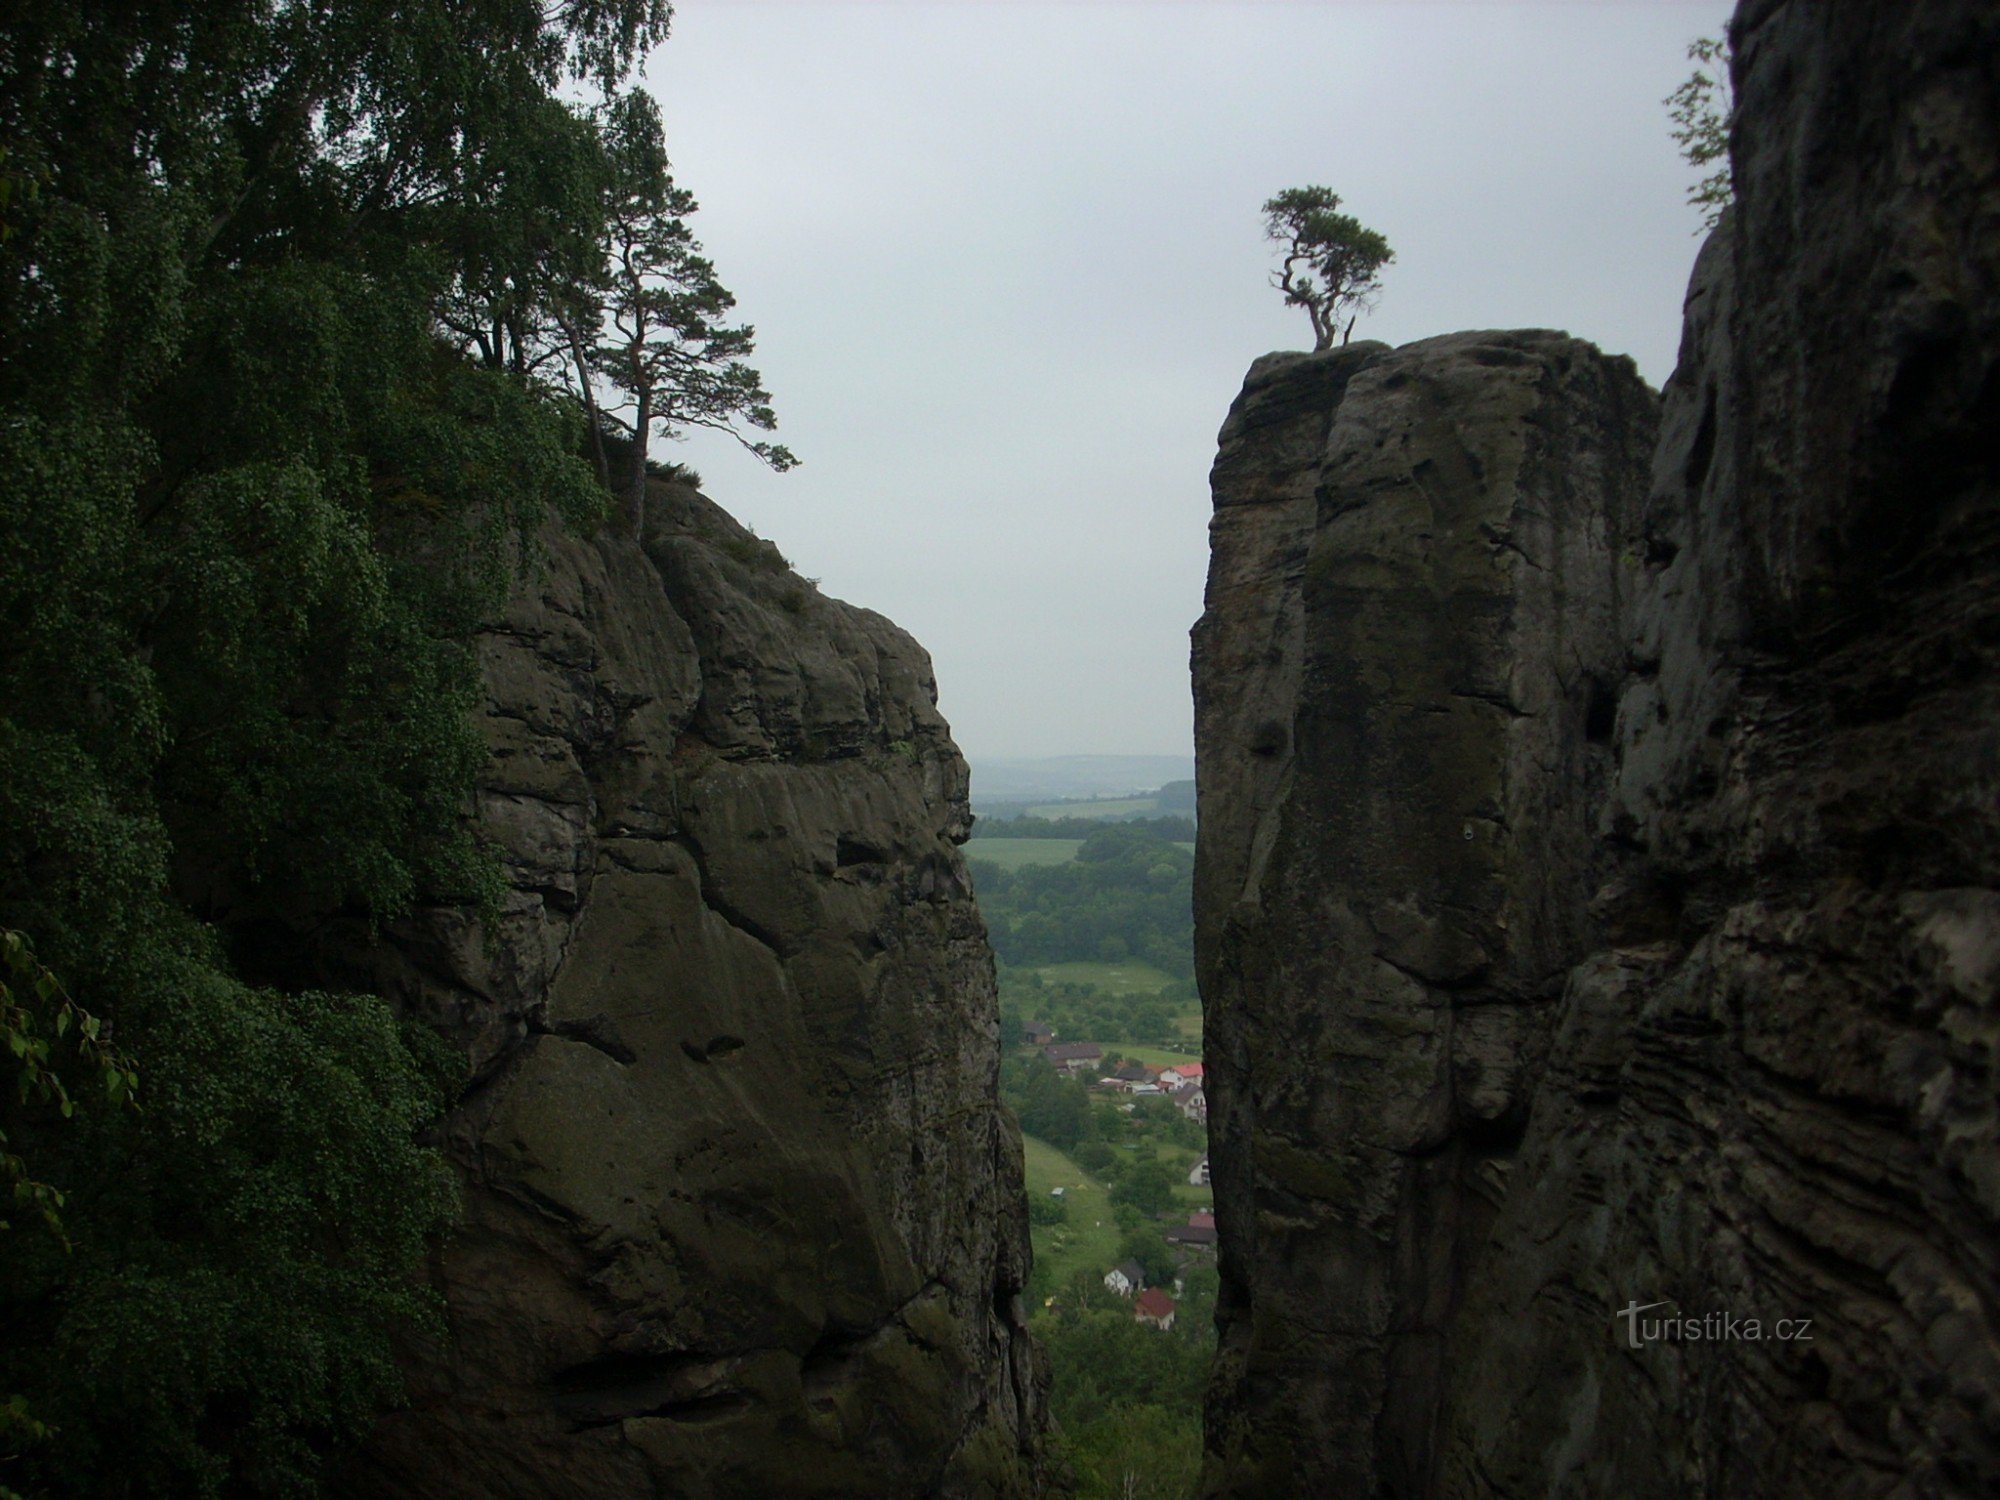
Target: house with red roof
1155,1307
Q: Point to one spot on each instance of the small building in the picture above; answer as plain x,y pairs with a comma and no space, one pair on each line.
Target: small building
1198,1177
1125,1278
1074,1057
1192,1236
1202,1218
1035,1034
1155,1307
1191,1102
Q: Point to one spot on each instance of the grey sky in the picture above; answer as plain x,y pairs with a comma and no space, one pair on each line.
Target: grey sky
1006,267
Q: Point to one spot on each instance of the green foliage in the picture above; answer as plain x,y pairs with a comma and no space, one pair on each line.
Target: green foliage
1331,263
1093,1155
285,296
1136,1452
1703,108
1148,1187
1125,883
667,349
1045,1211
227,1312
1051,1105
1145,1246
40,1023
1126,1397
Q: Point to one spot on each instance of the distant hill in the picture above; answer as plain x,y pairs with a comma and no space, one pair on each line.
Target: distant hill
1054,778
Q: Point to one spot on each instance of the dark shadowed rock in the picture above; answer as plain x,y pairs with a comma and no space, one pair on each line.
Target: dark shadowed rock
1733,1055
1403,715
742,1212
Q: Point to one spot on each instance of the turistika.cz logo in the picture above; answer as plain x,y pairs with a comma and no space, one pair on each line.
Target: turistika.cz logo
1708,1328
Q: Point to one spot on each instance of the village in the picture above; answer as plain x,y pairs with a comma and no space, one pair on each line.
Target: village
1145,1135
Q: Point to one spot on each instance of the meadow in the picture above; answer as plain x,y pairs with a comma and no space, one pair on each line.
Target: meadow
1127,977
1090,1240
1014,854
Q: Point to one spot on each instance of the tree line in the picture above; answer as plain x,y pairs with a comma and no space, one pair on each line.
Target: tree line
1173,828
1128,894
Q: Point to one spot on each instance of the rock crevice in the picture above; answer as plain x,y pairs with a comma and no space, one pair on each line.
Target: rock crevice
1595,906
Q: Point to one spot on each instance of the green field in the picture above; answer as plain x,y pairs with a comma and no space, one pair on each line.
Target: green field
1012,854
1110,807
1090,1239
1128,978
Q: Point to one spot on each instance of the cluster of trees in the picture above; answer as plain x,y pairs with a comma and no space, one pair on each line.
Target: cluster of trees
1127,1398
310,318
1128,894
1090,1012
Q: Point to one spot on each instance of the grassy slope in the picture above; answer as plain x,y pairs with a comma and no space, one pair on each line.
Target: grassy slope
1090,1239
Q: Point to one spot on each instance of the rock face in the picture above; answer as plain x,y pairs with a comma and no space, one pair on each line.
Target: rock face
1703,1010
742,1212
1403,715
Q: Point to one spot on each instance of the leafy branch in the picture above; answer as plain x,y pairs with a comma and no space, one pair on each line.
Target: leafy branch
37,1017
1703,109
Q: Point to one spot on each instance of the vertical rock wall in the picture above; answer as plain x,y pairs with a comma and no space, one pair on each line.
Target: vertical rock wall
742,1212
1732,956
1403,715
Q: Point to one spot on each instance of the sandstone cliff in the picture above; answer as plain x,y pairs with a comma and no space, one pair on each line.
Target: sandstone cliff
1702,1008
742,1212
1403,713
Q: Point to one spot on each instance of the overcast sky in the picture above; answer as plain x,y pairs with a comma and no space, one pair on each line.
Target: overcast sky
1006,267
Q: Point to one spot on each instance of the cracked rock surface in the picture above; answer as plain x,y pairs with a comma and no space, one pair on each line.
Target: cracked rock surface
1702,1008
742,1211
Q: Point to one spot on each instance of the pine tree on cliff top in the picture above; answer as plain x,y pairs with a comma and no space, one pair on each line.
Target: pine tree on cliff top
1331,262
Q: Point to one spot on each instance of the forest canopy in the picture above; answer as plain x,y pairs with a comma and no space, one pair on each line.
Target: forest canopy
1129,893
302,314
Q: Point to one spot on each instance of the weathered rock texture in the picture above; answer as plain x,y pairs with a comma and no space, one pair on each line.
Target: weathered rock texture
1735,1053
1403,716
743,1215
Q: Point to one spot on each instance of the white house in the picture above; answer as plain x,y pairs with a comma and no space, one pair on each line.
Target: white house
1125,1279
